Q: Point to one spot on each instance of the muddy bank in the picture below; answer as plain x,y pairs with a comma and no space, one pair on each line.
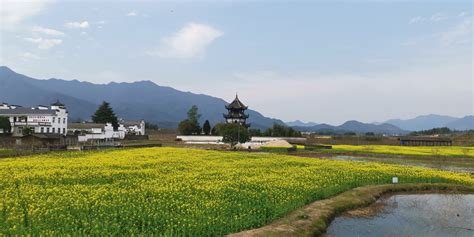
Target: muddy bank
313,219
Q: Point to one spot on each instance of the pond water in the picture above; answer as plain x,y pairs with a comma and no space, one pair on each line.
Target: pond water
410,215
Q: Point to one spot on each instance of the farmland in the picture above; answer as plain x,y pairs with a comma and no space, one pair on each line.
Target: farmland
439,151
173,191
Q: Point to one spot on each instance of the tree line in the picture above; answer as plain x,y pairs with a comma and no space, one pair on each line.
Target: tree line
191,126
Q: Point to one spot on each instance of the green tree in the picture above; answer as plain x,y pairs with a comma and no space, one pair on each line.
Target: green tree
151,126
27,131
193,114
278,130
191,124
5,124
233,133
255,132
206,128
105,114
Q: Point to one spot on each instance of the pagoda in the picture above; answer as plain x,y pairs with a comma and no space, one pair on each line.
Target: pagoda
236,112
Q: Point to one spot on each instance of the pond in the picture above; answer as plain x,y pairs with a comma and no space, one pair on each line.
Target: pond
409,215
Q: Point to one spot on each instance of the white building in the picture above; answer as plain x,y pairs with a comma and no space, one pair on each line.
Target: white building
42,119
134,127
105,131
96,131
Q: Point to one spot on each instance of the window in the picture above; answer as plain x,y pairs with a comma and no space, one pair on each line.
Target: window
42,130
54,119
64,129
64,120
53,130
47,130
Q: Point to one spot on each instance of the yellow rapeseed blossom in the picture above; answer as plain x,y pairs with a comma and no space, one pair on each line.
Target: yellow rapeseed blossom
458,151
175,192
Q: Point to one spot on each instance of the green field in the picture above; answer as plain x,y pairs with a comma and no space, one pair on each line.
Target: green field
443,151
172,191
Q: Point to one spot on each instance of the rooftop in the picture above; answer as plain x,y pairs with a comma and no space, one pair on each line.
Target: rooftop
236,104
27,111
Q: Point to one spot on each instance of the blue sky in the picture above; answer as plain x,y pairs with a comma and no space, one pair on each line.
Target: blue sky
321,61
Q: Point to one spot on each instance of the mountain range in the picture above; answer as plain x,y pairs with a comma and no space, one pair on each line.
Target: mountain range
137,100
167,106
299,123
426,122
356,127
393,126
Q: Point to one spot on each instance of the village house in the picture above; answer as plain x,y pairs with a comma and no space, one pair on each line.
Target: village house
133,127
51,119
96,131
105,131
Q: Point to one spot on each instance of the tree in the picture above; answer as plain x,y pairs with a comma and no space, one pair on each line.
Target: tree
191,124
151,126
255,132
278,130
105,114
5,124
185,127
193,115
233,133
206,128
27,131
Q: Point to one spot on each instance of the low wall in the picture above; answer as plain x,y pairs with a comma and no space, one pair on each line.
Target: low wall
218,139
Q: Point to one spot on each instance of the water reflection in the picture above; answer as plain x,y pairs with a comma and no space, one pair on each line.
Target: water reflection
410,215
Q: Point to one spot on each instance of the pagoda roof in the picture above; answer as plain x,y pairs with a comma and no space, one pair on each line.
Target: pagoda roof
57,103
236,104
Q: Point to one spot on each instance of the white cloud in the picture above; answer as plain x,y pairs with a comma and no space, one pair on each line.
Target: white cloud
44,43
191,41
416,19
77,25
47,31
132,13
460,34
26,56
438,17
13,12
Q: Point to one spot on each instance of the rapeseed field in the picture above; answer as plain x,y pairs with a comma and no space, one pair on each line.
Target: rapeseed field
444,151
175,192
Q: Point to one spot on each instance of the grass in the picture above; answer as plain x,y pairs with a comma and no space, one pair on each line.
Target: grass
176,192
6,152
440,151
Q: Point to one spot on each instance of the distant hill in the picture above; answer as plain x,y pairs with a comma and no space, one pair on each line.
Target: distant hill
423,122
426,122
137,100
356,127
465,123
300,123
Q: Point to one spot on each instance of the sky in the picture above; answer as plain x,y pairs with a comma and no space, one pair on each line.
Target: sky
321,61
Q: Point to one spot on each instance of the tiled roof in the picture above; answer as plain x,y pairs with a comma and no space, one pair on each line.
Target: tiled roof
27,111
236,104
